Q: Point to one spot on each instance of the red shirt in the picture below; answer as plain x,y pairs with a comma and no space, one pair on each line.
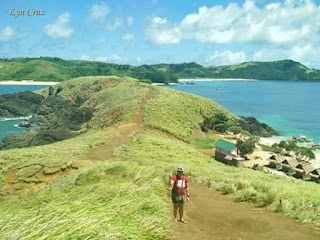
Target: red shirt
180,184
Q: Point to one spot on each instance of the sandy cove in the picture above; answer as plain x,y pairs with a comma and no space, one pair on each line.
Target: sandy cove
213,79
26,82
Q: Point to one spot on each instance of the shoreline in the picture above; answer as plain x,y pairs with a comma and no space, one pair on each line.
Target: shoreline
214,79
26,82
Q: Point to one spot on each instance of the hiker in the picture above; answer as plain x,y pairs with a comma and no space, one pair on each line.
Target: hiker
179,193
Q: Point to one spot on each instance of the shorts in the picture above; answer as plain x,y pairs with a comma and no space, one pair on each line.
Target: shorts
177,198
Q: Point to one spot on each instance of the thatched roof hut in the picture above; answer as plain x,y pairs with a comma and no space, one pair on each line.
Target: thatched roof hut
290,162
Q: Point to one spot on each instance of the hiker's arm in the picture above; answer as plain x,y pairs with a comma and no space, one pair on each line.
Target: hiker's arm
171,182
187,191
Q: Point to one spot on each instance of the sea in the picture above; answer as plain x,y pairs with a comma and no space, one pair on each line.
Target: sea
289,107
8,126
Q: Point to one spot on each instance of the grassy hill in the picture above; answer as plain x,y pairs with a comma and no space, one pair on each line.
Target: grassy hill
110,180
56,69
277,70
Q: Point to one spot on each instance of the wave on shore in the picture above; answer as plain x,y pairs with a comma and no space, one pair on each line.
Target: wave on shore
16,118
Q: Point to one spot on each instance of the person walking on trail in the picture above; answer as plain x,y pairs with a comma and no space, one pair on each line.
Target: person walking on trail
179,193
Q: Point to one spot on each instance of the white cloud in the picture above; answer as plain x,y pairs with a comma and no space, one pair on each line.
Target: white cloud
117,24
128,36
161,32
99,11
276,23
86,58
226,58
113,58
101,59
60,28
6,34
130,20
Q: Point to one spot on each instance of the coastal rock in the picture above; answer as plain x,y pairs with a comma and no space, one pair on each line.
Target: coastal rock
256,128
19,104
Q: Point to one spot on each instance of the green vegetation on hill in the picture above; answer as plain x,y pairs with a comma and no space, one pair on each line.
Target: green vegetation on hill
277,70
76,106
56,69
180,113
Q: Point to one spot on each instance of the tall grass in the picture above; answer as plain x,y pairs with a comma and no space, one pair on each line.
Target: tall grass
299,199
109,200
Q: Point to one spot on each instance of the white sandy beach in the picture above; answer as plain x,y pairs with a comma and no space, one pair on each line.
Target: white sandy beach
26,82
213,79
272,140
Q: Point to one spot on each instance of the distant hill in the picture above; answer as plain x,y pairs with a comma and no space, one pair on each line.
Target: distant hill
56,69
276,70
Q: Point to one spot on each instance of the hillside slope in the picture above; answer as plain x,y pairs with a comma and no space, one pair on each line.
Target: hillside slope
110,181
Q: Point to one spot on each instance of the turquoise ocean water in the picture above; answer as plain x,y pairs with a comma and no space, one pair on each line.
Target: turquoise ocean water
7,126
292,108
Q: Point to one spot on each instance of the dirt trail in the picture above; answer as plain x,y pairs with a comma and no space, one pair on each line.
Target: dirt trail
211,215
124,133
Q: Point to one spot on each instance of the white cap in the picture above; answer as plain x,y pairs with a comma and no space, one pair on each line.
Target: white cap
180,169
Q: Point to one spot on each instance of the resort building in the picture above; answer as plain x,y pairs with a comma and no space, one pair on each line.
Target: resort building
227,153
292,167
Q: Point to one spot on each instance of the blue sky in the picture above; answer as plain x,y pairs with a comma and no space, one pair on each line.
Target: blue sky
209,32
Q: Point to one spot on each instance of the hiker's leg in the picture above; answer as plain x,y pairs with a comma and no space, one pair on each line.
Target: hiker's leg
181,205
175,210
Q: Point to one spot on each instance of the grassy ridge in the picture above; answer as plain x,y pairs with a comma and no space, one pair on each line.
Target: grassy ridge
179,113
126,197
114,99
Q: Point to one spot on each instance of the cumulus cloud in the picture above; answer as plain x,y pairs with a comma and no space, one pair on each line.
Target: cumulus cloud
6,34
226,58
60,28
276,23
128,36
130,20
116,24
160,31
99,11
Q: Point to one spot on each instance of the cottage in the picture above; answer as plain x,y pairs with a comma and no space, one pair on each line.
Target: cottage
275,161
289,165
315,175
226,152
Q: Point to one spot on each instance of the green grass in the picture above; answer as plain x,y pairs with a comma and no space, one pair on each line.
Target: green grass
179,113
114,103
205,142
110,200
270,149
299,199
53,155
